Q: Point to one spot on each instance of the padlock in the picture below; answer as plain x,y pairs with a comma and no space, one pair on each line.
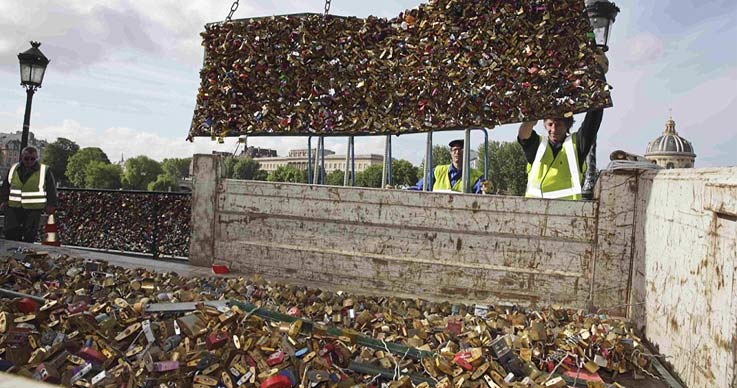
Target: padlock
275,358
205,380
555,382
27,305
165,366
128,331
210,369
47,373
216,340
92,355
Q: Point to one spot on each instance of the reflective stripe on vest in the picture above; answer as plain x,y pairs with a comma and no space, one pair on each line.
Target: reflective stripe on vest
442,180
565,182
30,194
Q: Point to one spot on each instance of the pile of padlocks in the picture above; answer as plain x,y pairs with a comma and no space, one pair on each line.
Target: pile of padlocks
446,64
125,221
104,326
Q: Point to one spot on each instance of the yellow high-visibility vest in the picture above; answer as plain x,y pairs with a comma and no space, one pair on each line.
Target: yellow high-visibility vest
30,194
442,180
555,177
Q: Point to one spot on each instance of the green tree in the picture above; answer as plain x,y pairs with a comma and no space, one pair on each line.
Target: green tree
370,177
101,175
164,182
77,164
177,168
56,155
247,168
507,167
440,156
404,173
335,178
228,164
288,174
140,171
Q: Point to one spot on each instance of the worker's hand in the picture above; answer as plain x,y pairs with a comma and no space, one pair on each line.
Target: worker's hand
487,187
525,129
602,61
50,209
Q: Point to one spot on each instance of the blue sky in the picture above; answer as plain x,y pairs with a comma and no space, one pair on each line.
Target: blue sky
124,75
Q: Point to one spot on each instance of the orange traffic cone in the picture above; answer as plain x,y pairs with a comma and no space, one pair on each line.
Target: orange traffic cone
50,229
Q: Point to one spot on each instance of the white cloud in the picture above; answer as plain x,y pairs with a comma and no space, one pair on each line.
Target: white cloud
643,48
117,141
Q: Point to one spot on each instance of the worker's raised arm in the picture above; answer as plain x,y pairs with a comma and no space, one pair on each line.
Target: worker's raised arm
525,129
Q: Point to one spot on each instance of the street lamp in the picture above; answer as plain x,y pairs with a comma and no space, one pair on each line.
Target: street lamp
32,69
601,16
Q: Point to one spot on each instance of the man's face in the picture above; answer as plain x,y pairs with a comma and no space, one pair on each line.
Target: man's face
456,155
557,130
29,158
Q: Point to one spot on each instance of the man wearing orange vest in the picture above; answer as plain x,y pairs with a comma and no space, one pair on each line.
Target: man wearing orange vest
27,190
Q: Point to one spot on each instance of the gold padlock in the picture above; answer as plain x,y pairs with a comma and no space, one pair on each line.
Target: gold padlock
49,304
309,356
128,331
121,303
211,368
294,329
25,318
480,371
76,360
205,380
225,377
37,356
133,351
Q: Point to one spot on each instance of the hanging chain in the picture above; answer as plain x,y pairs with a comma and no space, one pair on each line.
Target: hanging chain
327,7
233,8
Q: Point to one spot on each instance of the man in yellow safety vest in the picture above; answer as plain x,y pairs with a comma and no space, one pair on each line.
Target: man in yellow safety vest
447,177
556,162
27,190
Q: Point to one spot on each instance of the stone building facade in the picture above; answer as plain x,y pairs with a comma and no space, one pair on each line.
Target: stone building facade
10,149
298,159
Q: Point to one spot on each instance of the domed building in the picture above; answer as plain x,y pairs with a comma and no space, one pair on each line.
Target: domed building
671,150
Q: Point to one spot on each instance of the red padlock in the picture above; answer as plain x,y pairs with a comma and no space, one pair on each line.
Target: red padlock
275,358
78,307
278,381
250,361
92,355
220,269
454,326
461,359
216,340
27,305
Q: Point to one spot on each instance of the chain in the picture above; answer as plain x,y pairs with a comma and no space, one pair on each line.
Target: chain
327,7
233,8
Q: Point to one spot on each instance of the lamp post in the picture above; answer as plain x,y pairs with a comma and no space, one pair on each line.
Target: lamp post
32,68
601,15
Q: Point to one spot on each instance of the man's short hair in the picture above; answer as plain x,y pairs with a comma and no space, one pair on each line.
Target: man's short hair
30,149
568,121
